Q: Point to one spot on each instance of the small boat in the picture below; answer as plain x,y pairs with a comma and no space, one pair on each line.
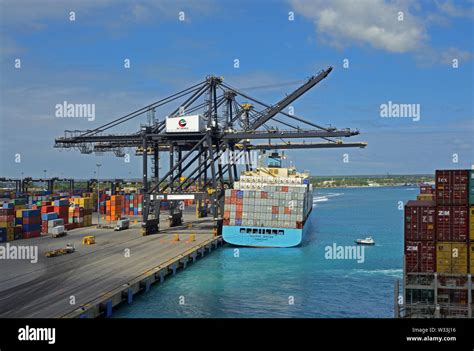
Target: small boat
366,241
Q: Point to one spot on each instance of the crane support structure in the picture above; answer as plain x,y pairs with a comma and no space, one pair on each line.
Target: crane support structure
233,120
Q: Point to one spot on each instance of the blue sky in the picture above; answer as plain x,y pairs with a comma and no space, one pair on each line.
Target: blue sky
407,61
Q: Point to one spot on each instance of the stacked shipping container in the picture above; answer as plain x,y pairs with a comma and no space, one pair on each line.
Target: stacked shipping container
420,236
438,237
452,221
275,206
114,207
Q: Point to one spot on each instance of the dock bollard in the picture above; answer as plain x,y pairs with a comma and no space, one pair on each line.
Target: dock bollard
175,237
192,237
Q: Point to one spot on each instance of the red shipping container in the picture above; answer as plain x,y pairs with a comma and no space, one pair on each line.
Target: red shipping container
238,214
284,189
7,212
239,208
420,256
31,220
32,234
460,227
264,195
239,201
452,223
452,296
426,189
420,220
452,187
287,210
274,209
47,209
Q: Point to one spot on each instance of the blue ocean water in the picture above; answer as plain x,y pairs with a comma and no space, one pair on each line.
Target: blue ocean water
297,282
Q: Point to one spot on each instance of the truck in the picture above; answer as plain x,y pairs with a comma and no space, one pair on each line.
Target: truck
122,223
62,251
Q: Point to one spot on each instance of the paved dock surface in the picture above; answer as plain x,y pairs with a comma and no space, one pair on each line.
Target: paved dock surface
46,288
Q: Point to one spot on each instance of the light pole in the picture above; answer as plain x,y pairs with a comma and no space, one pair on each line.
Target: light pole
44,173
98,192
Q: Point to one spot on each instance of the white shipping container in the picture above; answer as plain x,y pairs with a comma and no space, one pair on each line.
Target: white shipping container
185,124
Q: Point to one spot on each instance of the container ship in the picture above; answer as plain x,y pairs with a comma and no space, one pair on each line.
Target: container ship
268,207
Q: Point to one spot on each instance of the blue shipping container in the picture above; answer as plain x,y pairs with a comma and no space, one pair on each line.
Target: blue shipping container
48,216
61,203
8,205
3,237
31,213
18,236
31,227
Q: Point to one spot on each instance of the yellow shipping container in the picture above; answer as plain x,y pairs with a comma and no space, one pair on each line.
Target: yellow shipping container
443,250
19,213
452,257
459,269
471,259
471,222
425,197
10,231
6,224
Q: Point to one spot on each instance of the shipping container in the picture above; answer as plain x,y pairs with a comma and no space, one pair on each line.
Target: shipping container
471,223
471,187
452,223
420,220
452,257
471,258
452,187
426,189
448,296
420,256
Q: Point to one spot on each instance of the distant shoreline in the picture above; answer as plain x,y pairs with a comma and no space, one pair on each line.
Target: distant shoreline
364,186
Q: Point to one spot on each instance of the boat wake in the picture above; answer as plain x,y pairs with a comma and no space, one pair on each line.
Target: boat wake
392,272
324,198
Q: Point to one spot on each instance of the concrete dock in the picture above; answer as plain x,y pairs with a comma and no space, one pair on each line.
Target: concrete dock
94,279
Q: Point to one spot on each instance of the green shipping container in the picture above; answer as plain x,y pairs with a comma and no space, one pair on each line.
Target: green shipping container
471,187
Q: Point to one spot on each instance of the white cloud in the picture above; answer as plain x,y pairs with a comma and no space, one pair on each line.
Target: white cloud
366,22
448,8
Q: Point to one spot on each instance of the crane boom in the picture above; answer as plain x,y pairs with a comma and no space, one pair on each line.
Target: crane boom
287,100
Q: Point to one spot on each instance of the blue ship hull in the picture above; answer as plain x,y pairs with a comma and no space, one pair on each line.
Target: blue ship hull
264,236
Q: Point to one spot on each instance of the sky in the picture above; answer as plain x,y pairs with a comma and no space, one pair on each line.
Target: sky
402,52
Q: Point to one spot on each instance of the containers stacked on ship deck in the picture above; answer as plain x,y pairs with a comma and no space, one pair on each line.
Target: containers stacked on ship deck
439,248
268,207
273,206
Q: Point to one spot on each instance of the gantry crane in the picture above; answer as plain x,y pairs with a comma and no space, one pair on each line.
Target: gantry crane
231,126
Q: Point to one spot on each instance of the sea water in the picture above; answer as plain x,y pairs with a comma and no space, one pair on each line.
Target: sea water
301,281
